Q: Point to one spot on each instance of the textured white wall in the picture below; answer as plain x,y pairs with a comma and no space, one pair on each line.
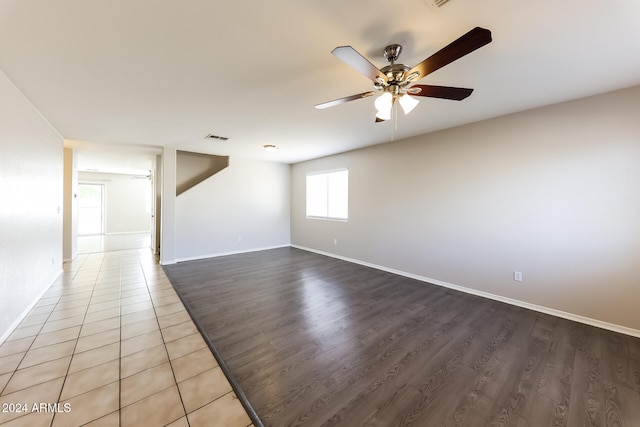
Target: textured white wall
243,207
31,182
553,193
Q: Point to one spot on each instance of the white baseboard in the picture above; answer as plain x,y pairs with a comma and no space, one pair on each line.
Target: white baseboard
546,310
219,254
26,311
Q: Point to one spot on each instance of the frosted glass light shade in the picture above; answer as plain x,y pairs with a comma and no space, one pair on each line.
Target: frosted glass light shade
383,104
408,103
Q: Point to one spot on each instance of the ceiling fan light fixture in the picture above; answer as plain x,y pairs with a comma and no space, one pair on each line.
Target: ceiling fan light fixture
412,76
383,104
384,115
408,103
393,80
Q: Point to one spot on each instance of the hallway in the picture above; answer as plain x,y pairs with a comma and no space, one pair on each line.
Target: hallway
113,242
112,344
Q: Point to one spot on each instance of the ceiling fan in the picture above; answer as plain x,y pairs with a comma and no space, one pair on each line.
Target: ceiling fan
393,81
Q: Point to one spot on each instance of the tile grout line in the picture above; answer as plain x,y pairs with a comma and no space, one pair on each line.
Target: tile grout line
120,349
251,412
164,343
35,337
37,334
66,375
67,289
29,348
96,283
23,356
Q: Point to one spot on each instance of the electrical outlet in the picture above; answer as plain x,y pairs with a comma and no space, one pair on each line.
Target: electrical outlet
517,276
335,241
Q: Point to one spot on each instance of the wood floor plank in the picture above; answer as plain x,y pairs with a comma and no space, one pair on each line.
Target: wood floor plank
629,408
587,387
634,355
316,341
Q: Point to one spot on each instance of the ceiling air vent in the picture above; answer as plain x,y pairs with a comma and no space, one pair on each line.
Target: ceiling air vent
436,3
218,137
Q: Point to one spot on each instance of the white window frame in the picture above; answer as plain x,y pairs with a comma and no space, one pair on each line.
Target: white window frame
344,193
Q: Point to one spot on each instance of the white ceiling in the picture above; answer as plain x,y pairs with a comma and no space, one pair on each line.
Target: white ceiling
167,72
114,158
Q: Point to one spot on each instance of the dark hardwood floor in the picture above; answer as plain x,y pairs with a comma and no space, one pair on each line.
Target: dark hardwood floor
315,341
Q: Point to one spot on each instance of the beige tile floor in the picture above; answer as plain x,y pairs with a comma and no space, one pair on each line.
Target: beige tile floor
112,345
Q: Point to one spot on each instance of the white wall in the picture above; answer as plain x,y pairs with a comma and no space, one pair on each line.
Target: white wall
125,201
70,208
31,181
553,193
244,207
168,206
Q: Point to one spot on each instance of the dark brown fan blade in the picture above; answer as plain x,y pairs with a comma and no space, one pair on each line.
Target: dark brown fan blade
353,58
445,92
343,100
471,41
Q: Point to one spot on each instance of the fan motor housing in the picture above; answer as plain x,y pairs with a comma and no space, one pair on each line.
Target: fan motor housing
395,74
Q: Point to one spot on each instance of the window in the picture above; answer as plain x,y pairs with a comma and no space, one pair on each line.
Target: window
90,209
328,195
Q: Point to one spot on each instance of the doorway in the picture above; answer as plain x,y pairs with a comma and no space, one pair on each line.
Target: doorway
114,212
90,209
109,210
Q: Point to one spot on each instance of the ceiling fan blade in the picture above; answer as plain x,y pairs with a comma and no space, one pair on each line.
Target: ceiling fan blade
445,92
471,41
352,57
343,100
